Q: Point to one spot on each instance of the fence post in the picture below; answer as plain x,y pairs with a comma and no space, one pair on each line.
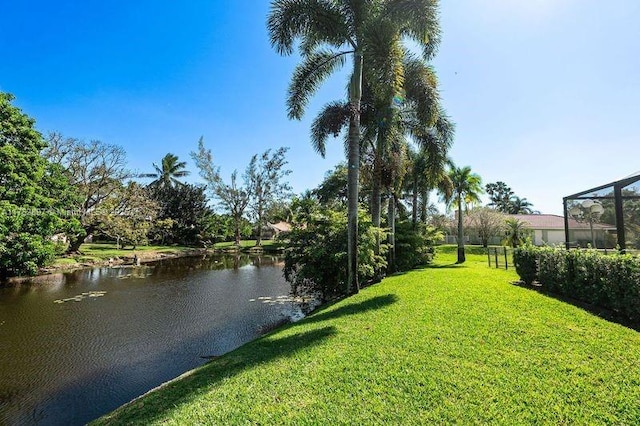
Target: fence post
506,262
495,250
489,256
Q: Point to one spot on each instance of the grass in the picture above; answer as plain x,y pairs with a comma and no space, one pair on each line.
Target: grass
446,344
266,244
98,252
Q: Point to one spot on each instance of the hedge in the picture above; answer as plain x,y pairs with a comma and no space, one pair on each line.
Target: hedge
608,281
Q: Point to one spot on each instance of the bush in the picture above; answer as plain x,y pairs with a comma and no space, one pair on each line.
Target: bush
611,282
414,244
526,262
316,256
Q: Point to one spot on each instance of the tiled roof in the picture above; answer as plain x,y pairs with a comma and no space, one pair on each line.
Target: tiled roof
552,221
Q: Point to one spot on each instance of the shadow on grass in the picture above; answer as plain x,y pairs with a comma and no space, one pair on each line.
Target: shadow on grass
155,406
448,266
604,313
353,308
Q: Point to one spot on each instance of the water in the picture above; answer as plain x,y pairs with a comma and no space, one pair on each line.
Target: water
77,345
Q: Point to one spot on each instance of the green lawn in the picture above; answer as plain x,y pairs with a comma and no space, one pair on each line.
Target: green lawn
447,344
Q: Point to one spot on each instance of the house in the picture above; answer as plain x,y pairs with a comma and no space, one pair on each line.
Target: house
548,229
273,230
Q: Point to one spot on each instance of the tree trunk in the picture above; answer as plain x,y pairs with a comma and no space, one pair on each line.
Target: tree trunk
391,221
461,256
423,206
353,174
259,236
376,198
74,245
236,222
414,207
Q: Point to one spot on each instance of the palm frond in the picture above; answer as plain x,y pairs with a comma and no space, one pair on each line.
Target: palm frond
418,20
317,21
330,121
307,77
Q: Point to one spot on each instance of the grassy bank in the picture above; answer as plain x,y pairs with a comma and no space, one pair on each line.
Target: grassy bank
96,253
447,344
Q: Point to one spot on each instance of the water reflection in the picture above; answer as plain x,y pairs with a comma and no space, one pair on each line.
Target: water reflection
121,331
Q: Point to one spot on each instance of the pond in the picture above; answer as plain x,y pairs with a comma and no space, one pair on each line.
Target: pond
77,345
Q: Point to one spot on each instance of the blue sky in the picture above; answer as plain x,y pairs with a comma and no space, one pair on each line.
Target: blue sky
545,93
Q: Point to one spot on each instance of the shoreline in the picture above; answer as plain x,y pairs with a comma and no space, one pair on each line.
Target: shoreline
142,256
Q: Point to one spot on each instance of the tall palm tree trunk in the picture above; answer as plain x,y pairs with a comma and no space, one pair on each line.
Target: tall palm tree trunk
414,204
353,174
391,222
461,256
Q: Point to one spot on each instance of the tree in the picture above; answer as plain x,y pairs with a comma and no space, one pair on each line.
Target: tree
186,206
233,197
505,200
467,187
519,205
29,212
499,194
488,222
265,176
96,169
517,231
168,172
127,215
329,31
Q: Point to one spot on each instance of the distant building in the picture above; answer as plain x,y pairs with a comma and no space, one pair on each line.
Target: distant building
548,229
273,230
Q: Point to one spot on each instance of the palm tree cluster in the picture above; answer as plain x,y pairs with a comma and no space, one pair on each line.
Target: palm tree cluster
392,95
504,200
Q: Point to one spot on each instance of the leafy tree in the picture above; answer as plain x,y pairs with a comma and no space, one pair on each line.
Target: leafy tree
414,244
168,172
127,215
317,250
265,175
504,199
467,187
186,206
29,215
233,197
330,31
488,222
333,189
96,169
499,195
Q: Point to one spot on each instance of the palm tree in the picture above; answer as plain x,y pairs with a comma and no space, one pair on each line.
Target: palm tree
467,187
516,231
519,205
329,31
168,172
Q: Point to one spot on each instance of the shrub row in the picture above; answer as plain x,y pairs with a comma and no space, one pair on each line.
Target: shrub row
608,281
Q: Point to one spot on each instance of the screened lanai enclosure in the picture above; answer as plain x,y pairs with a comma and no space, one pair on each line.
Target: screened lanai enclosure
605,217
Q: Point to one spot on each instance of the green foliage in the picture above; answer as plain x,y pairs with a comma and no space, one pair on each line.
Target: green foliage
127,215
504,199
168,172
316,256
517,232
186,207
29,213
609,281
526,262
414,244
